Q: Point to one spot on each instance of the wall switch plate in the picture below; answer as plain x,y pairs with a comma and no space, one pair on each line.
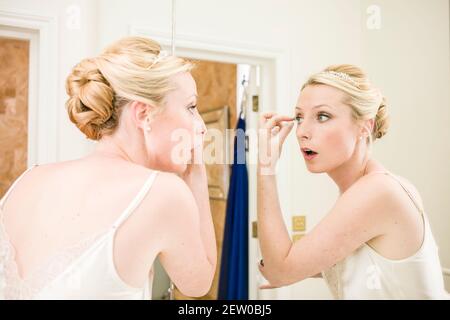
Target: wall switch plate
297,236
254,229
255,103
298,223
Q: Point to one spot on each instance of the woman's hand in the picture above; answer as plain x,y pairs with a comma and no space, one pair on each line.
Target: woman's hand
195,169
273,130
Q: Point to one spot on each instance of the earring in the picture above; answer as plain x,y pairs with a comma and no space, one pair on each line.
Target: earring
147,127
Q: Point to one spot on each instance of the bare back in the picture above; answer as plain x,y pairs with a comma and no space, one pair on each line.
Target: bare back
61,205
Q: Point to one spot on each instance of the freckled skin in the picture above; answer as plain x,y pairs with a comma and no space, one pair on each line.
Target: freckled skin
324,136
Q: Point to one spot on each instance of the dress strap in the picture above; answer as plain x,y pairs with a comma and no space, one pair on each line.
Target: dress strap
3,200
404,188
137,200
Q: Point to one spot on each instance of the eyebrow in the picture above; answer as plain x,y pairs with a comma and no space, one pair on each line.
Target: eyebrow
318,106
189,98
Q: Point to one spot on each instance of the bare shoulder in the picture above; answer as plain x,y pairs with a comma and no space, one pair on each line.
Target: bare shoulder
170,195
171,186
411,188
25,184
385,193
118,178
171,181
374,188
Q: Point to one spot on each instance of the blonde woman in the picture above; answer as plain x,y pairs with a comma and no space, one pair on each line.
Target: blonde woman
376,241
92,228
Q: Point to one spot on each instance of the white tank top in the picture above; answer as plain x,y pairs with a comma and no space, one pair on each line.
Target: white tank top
366,274
85,270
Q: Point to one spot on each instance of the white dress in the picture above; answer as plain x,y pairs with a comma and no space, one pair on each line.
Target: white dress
366,274
85,270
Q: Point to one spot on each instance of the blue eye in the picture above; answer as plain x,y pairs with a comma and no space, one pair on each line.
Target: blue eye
320,117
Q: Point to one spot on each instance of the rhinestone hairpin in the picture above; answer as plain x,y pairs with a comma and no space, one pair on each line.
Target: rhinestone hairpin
161,55
342,76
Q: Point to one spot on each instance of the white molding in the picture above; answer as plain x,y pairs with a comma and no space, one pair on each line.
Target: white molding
42,98
274,92
236,52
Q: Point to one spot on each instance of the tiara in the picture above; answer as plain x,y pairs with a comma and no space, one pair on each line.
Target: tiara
342,76
161,55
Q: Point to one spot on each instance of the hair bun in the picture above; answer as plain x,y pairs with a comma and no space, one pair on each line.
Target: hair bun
381,120
90,103
100,88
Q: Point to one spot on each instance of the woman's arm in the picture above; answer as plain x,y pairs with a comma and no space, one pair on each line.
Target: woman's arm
196,180
274,239
190,254
187,241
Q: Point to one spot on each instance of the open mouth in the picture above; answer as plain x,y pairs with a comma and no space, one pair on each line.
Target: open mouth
308,152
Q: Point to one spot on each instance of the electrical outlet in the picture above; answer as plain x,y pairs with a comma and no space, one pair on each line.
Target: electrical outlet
255,103
298,223
297,236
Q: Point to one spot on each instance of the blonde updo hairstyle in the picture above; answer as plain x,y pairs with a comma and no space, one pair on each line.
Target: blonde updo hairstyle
131,69
365,101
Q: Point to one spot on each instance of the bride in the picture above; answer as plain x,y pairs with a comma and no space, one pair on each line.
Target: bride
376,241
92,228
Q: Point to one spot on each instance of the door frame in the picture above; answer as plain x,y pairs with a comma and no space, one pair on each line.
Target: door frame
41,32
273,91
